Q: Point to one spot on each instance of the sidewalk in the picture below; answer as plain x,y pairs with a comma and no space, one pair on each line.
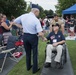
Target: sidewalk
67,70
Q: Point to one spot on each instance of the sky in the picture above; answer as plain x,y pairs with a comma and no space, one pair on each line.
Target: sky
46,4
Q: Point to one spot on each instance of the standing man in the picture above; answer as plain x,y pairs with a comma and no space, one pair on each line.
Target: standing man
31,27
55,21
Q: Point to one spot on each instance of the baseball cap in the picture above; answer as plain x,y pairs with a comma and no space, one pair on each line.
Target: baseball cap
56,25
35,6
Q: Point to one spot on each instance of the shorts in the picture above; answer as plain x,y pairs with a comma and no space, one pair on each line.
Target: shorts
72,29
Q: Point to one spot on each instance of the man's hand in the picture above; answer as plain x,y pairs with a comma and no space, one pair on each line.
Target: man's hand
45,39
11,23
55,44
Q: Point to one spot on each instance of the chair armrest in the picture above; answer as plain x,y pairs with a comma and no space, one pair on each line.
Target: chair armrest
48,42
64,46
9,50
2,47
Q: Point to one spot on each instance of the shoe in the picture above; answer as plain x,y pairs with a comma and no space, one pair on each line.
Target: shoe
29,68
36,71
47,65
57,65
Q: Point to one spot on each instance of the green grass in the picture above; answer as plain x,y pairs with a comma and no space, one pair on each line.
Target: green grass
20,68
72,51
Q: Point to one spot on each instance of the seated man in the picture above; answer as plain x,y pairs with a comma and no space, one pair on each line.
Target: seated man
56,41
57,20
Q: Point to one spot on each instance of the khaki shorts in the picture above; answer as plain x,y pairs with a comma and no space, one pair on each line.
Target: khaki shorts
72,29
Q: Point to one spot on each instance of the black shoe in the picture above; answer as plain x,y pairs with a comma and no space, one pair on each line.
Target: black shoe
57,65
47,65
29,68
36,71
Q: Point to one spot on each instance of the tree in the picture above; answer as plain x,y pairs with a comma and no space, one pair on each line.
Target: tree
42,14
49,12
12,7
29,9
64,4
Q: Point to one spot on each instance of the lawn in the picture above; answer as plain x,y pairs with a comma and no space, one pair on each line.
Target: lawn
72,51
20,68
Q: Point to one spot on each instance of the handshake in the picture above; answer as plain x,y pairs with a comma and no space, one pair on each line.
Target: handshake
44,39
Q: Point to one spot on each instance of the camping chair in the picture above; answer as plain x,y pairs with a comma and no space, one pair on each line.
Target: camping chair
1,39
6,51
19,44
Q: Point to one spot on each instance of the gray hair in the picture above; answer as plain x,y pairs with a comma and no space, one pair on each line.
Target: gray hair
34,9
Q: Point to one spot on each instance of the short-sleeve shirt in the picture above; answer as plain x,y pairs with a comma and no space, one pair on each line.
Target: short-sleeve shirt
53,22
2,29
55,37
30,23
72,21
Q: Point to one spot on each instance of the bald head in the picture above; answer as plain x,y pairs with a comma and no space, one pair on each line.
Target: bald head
35,11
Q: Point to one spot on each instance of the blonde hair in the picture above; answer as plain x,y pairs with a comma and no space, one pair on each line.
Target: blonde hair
1,16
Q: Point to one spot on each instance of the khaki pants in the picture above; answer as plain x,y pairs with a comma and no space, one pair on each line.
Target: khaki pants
49,50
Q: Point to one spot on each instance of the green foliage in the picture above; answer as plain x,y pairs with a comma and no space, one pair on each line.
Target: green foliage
64,4
42,14
28,9
12,7
72,51
48,12
18,7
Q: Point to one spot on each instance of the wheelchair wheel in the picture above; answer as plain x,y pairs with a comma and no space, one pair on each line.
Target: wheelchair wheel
65,56
62,62
63,59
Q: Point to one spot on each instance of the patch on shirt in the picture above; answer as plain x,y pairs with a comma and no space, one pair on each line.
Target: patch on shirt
52,37
54,40
59,36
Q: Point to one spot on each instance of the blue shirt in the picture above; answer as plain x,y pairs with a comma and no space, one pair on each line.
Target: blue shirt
7,22
30,23
55,37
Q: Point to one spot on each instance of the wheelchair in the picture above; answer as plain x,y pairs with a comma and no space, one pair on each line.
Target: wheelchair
63,56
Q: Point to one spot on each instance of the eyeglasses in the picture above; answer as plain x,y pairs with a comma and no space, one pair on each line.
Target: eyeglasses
53,25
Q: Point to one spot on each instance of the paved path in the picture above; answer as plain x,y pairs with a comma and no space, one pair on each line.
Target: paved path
9,64
67,70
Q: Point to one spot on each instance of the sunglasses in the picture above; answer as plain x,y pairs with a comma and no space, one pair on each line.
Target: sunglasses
53,25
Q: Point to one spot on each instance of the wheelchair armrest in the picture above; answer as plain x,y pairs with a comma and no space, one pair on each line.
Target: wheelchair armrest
48,42
64,46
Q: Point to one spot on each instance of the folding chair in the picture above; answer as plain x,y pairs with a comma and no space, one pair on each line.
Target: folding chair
8,50
1,39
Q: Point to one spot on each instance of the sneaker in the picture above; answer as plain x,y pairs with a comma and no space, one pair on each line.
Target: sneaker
47,65
36,71
57,65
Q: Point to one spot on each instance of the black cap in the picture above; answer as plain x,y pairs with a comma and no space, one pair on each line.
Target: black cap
56,25
55,15
35,6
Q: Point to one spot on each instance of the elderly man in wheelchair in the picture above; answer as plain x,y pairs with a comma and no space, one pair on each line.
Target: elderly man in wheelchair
57,40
